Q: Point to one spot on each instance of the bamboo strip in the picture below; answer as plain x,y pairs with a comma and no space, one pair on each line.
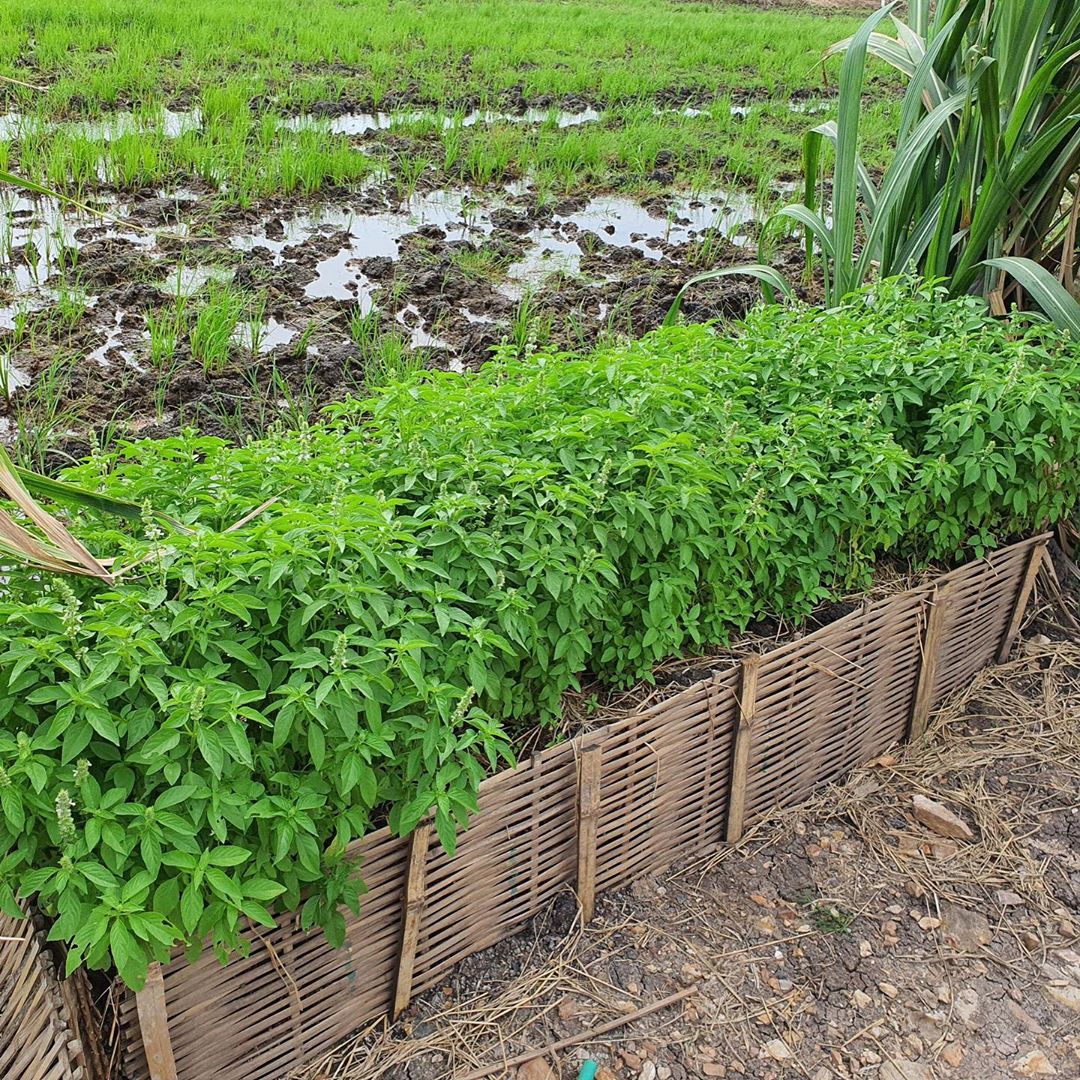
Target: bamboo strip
1034,562
154,1024
588,811
744,735
415,900
937,603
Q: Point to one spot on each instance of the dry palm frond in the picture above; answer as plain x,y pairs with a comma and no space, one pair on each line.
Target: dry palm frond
58,551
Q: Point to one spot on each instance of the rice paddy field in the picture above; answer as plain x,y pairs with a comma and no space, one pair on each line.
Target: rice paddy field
280,203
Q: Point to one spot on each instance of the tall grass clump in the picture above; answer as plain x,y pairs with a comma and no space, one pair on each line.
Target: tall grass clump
983,178
420,581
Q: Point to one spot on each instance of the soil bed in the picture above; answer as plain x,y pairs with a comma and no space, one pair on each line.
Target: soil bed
325,290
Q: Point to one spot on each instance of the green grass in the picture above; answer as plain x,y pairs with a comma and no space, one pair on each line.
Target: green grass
247,65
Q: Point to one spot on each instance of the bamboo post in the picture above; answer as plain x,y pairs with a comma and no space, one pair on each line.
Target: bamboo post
1028,583
412,915
588,813
923,700
154,1025
744,740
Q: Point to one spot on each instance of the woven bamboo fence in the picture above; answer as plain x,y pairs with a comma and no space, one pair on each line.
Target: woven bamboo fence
678,777
36,1039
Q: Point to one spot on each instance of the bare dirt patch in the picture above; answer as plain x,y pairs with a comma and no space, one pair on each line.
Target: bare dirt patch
844,940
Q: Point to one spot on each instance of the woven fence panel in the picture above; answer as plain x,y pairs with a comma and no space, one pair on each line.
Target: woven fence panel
36,1041
833,700
979,600
664,781
821,706
293,996
517,853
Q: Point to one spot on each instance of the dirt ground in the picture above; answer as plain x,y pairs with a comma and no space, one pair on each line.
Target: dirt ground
847,940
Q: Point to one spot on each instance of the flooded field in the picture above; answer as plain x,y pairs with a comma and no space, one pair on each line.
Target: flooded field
231,255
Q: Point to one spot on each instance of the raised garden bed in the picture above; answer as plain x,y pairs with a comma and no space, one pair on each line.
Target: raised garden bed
629,798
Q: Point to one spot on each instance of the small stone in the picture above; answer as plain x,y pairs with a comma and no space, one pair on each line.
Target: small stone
1034,645
944,849
1029,940
604,1073
569,1008
966,1004
822,1074
1008,898
1035,1063
1066,996
886,761
861,1000
928,922
952,1055
888,989
630,1060
966,930
648,1071
537,1069
904,1069
663,1073
1024,1018
940,819
713,1068
865,949
690,974
777,1049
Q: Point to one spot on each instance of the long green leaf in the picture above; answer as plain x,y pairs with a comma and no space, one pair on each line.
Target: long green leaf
769,277
845,185
1060,306
63,492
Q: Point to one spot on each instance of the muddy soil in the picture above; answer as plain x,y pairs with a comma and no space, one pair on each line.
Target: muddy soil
844,940
446,275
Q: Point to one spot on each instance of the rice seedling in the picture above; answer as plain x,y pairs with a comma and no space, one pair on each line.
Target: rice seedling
215,326
166,327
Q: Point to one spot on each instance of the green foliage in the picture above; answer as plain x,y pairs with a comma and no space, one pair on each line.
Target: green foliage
986,158
203,739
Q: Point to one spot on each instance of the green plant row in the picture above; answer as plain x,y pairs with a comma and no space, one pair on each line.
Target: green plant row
200,742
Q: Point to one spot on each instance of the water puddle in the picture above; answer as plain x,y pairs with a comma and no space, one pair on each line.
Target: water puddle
558,245
186,281
263,336
12,377
411,319
111,349
363,123
172,124
106,128
625,223
36,231
369,236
